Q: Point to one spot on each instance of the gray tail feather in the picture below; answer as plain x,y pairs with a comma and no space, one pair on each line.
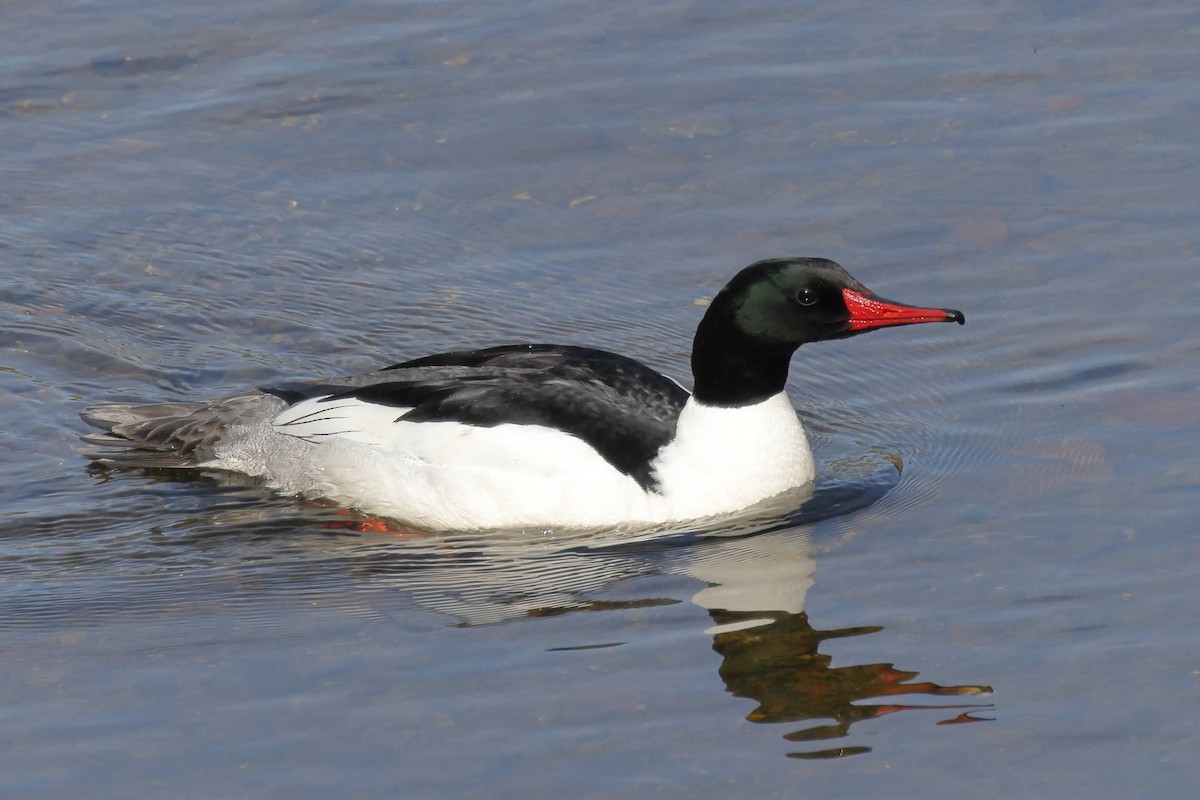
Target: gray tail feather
112,415
156,435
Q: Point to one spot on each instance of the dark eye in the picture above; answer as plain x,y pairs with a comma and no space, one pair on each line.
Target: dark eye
806,296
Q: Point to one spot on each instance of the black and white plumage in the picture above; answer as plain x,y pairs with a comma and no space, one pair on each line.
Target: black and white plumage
544,435
621,408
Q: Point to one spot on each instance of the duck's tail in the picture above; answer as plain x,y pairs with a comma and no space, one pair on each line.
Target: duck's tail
154,435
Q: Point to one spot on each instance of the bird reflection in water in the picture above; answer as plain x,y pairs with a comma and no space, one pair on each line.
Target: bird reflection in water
779,666
770,653
753,587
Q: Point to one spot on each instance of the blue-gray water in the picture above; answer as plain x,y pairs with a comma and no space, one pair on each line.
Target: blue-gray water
198,198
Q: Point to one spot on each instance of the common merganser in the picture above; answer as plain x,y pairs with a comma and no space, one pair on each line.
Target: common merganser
536,435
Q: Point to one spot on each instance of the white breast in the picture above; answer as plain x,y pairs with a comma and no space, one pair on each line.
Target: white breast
726,459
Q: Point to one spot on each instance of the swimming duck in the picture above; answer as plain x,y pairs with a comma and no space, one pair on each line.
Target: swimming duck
536,434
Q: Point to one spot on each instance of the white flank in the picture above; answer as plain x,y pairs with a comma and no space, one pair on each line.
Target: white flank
452,476
347,418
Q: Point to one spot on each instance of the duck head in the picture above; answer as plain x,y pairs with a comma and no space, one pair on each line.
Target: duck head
757,321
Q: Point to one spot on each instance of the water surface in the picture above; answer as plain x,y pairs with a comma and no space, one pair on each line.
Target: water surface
989,591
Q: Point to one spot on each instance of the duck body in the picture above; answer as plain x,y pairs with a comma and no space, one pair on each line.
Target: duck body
532,435
504,437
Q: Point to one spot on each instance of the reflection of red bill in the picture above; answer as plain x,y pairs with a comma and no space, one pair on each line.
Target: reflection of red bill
966,716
